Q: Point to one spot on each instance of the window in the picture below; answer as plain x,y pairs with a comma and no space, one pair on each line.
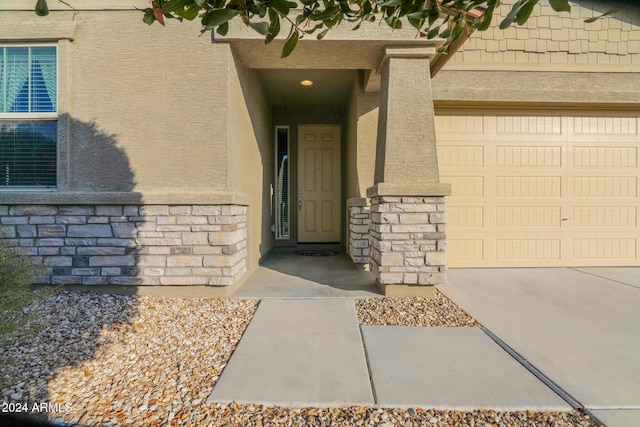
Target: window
282,182
28,116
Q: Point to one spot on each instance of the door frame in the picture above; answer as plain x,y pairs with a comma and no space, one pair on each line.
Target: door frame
293,127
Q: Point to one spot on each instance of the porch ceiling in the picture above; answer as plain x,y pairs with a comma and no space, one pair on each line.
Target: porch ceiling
319,54
330,88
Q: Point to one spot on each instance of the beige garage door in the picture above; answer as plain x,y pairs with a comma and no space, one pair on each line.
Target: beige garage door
541,188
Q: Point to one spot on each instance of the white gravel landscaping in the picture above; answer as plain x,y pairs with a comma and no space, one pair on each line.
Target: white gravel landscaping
107,360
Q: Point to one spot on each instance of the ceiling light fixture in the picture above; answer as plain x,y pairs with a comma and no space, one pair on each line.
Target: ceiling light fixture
306,82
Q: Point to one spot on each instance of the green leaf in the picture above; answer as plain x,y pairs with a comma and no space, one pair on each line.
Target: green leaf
457,32
282,6
189,14
560,5
393,22
223,29
391,3
487,15
420,14
260,27
525,12
217,17
326,15
433,32
416,23
274,26
41,8
148,18
290,44
175,5
608,12
323,33
313,30
515,9
300,19
200,3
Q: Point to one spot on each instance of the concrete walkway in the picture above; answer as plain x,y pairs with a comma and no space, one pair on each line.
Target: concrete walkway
580,327
282,274
313,353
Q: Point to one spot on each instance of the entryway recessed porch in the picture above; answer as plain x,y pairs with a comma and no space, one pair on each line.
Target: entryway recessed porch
284,274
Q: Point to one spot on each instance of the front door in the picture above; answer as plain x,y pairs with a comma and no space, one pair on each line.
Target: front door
319,184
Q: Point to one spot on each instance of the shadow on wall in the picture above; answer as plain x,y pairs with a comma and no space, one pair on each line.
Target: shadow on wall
83,243
260,116
97,163
629,11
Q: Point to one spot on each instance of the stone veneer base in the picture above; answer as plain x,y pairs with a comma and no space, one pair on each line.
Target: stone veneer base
358,231
403,291
172,291
408,244
131,245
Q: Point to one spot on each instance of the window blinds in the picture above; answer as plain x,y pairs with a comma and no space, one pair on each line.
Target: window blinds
28,140
28,78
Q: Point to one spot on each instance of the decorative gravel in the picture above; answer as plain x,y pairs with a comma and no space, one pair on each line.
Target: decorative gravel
116,359
414,311
107,360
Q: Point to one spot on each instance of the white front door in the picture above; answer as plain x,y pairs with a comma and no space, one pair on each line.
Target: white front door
319,206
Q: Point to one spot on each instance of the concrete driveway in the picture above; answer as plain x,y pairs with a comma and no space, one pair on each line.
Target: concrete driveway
578,326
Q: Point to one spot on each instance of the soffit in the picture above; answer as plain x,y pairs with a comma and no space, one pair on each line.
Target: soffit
341,48
330,88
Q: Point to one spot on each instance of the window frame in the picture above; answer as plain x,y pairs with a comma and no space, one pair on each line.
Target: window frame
278,211
37,116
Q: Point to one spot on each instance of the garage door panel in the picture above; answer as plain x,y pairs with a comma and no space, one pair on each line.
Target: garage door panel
467,252
528,186
605,216
595,249
524,250
604,124
461,155
613,187
466,186
554,188
465,217
460,126
529,125
605,157
536,156
528,216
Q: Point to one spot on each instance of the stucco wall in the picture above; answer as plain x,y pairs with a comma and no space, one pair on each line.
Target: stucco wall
361,133
147,106
251,155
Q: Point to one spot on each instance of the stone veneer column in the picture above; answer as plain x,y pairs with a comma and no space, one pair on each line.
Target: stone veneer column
408,244
408,227
358,229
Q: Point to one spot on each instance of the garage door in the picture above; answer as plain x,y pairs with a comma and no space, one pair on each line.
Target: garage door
541,188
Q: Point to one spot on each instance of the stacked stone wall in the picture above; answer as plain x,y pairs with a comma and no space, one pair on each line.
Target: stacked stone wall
359,218
130,244
408,241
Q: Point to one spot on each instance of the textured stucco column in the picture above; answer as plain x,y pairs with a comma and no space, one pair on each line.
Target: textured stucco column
407,230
